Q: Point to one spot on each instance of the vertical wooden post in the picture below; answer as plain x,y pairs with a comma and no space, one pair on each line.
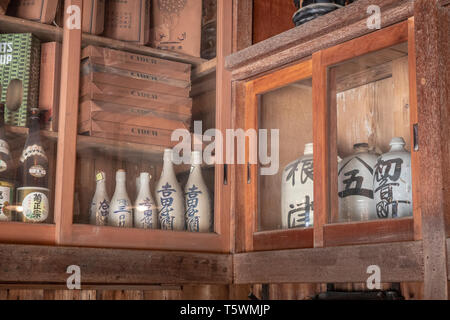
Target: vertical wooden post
321,135
223,120
431,101
242,24
68,115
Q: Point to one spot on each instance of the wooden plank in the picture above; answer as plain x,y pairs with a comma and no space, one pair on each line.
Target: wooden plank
397,261
37,264
242,24
204,69
222,189
51,33
394,230
271,18
110,237
413,118
24,233
305,49
431,99
321,136
283,239
333,22
66,156
382,39
88,287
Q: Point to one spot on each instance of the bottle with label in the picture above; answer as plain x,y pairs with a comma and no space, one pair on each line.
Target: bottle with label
145,211
121,209
198,203
297,192
33,195
169,197
100,204
6,173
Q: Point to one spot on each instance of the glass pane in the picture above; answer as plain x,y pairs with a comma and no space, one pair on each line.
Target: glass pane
29,98
373,135
130,105
286,197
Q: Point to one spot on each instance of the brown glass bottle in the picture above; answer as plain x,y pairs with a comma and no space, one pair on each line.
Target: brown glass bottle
33,195
6,173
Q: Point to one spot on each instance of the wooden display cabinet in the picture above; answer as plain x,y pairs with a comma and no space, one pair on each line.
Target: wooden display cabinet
348,95
313,82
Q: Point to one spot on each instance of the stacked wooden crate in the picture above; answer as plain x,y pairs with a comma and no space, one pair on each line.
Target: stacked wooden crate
134,98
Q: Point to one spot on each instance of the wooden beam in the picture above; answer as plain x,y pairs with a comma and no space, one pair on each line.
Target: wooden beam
431,101
318,34
68,115
398,262
242,24
48,265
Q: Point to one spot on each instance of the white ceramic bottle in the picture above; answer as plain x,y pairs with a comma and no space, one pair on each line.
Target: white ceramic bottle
392,184
99,212
145,211
121,211
197,200
169,197
355,181
297,192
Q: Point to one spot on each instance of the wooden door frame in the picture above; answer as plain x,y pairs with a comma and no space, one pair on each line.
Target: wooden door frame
69,234
249,238
325,134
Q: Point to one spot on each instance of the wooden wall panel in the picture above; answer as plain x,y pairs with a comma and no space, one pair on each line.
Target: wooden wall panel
271,18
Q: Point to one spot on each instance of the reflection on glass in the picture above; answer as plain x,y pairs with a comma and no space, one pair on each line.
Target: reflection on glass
286,199
371,96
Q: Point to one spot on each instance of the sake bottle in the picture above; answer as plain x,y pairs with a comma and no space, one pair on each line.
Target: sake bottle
100,204
120,211
33,195
6,173
169,197
145,211
197,200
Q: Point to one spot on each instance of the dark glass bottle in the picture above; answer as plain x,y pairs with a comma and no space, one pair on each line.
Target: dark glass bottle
6,173
33,195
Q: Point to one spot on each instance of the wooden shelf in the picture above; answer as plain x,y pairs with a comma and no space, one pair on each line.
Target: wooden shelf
53,33
204,69
23,132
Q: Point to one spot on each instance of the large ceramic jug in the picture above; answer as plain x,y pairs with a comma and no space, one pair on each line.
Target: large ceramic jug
355,181
297,192
169,197
392,183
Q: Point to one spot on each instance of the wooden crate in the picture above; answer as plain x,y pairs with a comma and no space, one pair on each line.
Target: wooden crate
128,21
161,105
134,79
43,11
136,62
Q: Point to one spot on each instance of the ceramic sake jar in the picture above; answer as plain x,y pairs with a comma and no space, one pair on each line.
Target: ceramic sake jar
392,183
355,185
170,197
297,192
197,200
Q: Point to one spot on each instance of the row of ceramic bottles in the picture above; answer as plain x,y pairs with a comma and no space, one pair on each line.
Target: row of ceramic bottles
173,210
370,186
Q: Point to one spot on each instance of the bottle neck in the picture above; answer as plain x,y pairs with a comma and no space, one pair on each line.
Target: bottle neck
397,147
101,187
144,186
34,131
168,169
2,124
